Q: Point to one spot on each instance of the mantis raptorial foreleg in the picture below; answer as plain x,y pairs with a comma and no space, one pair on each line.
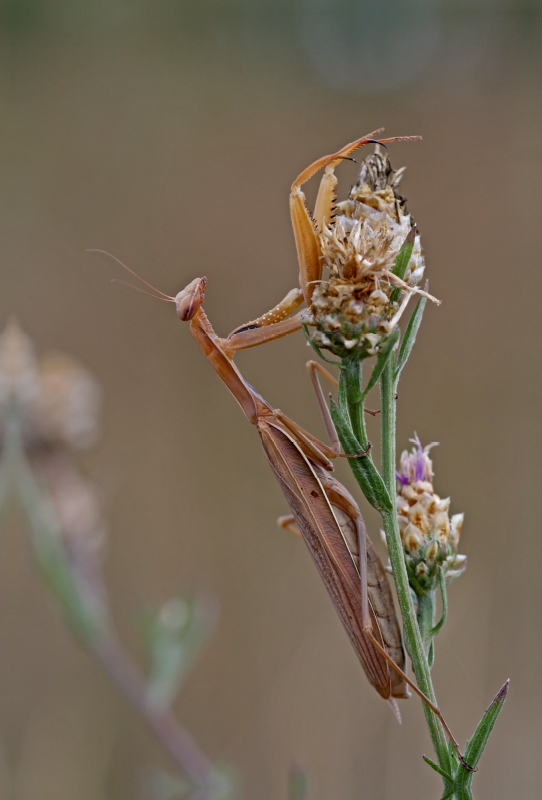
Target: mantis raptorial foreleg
307,229
287,305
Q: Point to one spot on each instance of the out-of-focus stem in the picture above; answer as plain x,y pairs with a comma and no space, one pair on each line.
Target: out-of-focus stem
91,624
177,741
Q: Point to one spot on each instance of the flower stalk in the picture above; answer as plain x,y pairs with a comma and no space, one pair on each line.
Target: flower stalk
351,371
412,633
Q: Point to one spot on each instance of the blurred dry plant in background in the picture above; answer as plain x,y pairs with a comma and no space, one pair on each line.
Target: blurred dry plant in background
48,411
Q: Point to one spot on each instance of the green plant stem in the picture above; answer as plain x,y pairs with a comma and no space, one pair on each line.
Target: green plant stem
413,638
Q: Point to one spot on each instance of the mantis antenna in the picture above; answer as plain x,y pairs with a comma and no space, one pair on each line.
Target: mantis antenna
142,291
132,272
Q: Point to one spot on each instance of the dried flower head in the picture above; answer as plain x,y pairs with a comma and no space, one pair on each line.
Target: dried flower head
430,538
57,398
355,309
56,403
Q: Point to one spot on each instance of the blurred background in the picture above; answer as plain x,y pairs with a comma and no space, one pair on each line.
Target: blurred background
168,133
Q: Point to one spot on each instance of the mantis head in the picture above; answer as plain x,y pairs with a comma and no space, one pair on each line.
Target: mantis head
190,299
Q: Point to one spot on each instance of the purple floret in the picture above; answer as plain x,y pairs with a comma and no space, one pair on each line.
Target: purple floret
420,466
419,472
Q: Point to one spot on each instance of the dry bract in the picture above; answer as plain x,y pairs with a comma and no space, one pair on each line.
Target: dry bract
353,311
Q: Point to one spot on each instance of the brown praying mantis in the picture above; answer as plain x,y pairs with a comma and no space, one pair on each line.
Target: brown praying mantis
327,517
324,511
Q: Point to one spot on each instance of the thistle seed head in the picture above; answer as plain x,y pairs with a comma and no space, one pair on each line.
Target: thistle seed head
353,310
430,538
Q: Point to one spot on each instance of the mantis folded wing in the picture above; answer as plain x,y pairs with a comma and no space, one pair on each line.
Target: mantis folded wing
328,520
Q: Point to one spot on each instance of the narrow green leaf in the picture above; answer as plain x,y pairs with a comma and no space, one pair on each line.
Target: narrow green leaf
174,635
454,760
401,262
297,783
476,745
46,539
440,624
438,769
431,654
221,784
364,470
381,362
341,395
4,485
161,785
410,337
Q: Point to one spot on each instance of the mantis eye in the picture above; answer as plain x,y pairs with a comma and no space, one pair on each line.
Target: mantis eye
189,300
